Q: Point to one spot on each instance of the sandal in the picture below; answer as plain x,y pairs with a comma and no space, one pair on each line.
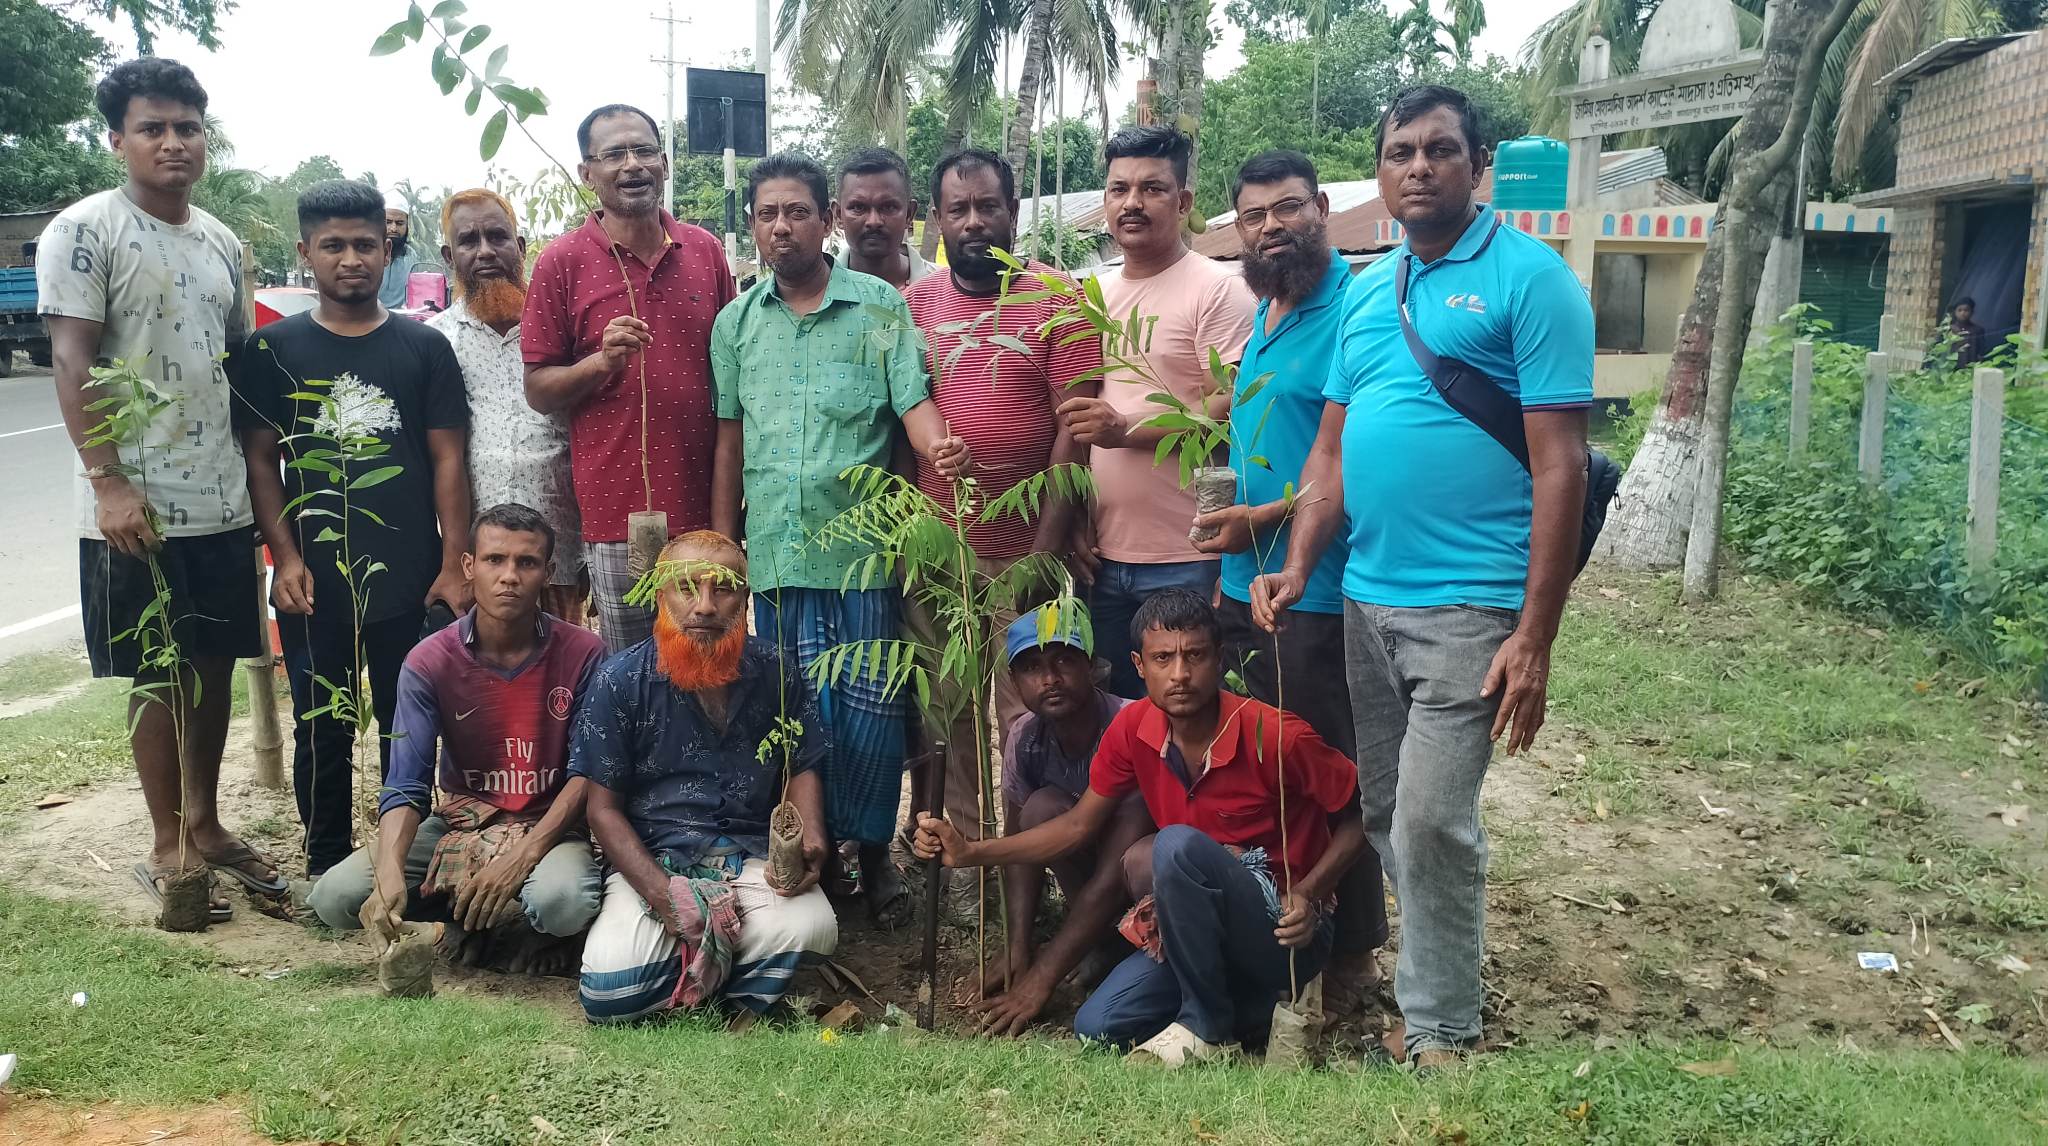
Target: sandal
242,862
217,911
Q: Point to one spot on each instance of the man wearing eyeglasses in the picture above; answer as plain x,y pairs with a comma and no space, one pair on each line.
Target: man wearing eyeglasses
617,335
1282,220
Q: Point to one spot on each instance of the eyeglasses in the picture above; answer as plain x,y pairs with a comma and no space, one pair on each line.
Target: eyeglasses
1286,210
645,153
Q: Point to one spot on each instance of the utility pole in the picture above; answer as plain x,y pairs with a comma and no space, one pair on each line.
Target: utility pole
764,62
669,64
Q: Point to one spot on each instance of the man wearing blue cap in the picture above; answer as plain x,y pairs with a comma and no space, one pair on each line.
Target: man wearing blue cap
1045,770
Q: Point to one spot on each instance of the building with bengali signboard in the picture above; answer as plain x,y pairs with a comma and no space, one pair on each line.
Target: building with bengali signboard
1967,201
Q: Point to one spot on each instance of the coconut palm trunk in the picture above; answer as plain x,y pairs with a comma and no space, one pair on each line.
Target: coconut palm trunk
1673,486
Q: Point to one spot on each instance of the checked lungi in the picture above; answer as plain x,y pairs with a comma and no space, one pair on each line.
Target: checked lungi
864,773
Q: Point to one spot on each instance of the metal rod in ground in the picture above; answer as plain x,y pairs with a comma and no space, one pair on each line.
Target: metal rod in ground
934,879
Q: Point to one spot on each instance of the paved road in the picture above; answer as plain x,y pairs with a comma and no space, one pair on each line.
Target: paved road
38,545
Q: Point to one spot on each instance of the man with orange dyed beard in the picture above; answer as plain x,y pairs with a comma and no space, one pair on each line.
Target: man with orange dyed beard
516,454
690,739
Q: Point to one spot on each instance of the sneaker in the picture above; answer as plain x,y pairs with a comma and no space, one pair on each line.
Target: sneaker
1177,1046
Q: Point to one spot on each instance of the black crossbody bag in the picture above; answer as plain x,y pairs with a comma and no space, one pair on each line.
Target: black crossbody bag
1487,405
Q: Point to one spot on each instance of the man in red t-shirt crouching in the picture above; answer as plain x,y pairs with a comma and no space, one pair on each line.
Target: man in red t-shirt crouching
1258,820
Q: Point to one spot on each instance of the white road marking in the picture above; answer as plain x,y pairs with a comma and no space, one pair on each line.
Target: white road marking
32,430
50,618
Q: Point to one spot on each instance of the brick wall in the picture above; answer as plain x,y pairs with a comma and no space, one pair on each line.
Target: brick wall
1978,121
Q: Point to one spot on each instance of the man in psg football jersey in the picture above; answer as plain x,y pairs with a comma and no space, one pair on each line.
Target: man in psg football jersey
496,690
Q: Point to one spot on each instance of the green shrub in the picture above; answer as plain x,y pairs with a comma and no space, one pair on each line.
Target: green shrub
1897,549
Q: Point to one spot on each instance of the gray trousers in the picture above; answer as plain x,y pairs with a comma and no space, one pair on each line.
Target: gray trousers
560,896
1423,746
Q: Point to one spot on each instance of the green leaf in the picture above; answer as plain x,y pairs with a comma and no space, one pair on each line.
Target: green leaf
447,70
1011,343
376,477
450,27
475,100
496,63
493,136
327,534
447,8
415,22
388,43
522,101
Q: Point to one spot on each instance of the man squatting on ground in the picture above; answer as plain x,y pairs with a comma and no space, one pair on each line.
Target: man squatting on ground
1458,565
496,691
671,738
1232,922
139,275
1045,773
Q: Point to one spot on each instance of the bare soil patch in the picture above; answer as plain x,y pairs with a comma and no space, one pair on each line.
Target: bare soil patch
37,1123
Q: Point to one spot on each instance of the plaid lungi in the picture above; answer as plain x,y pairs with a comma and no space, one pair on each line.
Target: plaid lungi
621,625
864,773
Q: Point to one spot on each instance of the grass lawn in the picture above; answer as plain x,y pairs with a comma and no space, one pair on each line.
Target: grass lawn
1768,786
315,1056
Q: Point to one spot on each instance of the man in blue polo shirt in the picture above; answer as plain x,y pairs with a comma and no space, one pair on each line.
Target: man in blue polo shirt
1282,222
1458,559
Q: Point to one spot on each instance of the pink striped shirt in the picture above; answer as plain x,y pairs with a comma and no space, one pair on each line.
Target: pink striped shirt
1001,402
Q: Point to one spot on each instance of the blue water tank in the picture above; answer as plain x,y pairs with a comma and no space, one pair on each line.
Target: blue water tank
1532,173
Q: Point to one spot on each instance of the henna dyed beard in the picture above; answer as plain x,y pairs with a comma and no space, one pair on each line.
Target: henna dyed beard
692,665
495,302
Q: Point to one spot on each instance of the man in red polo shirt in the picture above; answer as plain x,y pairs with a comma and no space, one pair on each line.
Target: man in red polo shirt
1258,820
631,446
1001,403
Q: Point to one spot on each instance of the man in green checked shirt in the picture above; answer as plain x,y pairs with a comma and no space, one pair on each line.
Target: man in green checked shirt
811,379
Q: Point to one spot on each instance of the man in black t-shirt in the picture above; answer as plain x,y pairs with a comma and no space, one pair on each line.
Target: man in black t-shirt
369,475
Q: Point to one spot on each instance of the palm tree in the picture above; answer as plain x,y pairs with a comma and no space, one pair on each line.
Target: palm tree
859,58
1417,29
1881,36
234,195
1178,31
1468,19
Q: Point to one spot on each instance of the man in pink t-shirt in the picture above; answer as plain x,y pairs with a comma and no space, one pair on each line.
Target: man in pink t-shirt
1138,532
587,336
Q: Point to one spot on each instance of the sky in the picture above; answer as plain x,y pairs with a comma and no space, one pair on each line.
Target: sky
287,85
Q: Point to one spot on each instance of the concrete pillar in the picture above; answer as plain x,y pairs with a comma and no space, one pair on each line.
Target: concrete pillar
1870,439
1583,198
1987,425
1802,395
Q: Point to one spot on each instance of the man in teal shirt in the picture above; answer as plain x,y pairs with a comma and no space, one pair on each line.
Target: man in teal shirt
814,367
1459,558
1282,221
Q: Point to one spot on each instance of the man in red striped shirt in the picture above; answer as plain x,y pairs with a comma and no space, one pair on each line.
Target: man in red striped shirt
1001,402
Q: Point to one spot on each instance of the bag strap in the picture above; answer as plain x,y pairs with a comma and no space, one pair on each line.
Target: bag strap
1472,394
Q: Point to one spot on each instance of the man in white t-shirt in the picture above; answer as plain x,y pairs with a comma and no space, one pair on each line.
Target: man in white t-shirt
1137,540
139,276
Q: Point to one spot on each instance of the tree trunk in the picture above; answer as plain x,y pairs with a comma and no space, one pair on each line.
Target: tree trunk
955,139
1037,50
1764,178
1660,502
1059,169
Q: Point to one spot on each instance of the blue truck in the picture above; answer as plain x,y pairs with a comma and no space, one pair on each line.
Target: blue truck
21,328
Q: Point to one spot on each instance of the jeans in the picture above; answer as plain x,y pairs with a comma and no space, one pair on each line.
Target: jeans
559,897
316,648
1120,587
1424,741
1310,644
1223,970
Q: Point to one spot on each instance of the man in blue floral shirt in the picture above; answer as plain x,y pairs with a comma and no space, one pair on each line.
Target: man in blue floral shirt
690,740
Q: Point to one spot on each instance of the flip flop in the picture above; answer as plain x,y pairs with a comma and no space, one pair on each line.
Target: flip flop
232,862
215,912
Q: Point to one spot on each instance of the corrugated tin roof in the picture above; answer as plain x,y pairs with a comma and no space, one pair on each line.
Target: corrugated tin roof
1620,169
1947,54
1081,210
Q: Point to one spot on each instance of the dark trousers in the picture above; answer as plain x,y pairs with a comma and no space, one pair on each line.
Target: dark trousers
316,650
1311,658
1223,970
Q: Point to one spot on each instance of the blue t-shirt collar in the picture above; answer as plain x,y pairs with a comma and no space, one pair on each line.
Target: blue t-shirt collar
1469,244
